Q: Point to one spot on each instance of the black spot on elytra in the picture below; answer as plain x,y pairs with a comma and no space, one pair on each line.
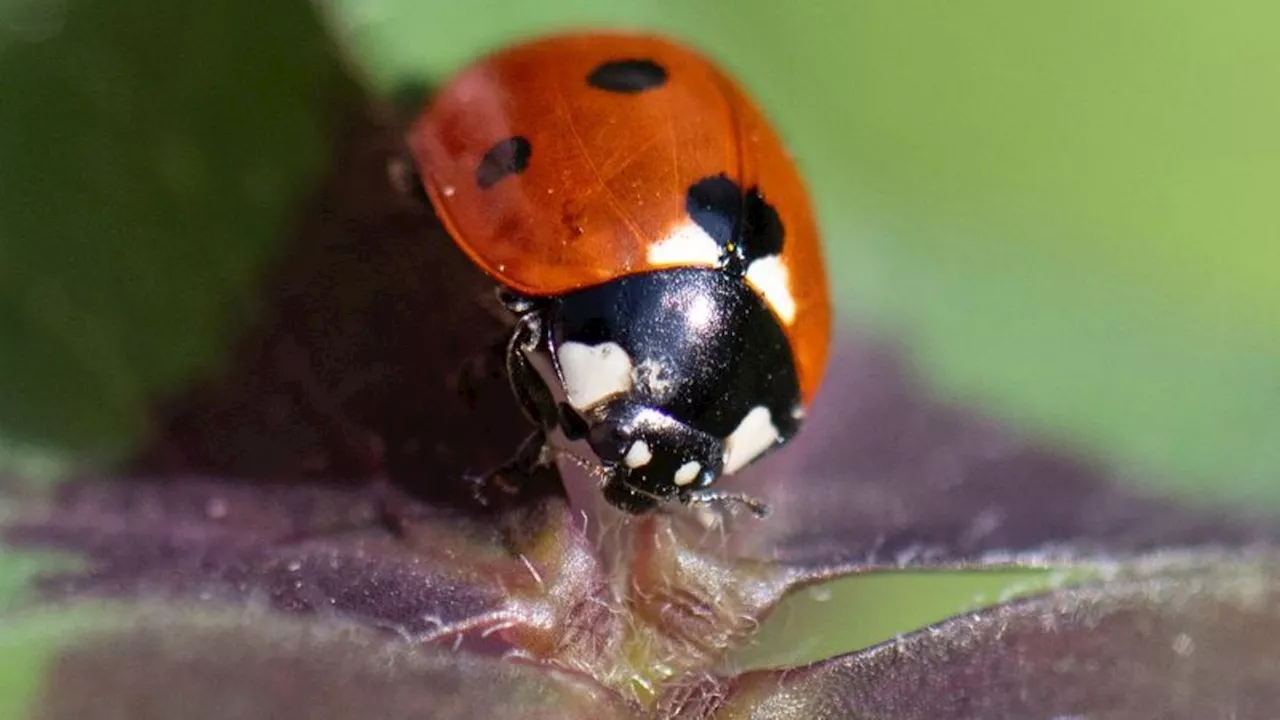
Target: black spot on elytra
506,157
628,76
744,224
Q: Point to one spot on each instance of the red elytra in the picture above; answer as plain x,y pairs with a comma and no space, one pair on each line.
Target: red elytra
565,162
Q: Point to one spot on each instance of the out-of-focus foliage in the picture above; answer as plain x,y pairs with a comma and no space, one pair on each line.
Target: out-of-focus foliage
152,161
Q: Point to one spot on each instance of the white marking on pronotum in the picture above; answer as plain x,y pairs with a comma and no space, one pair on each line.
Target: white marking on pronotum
688,244
638,455
755,434
770,277
688,472
593,372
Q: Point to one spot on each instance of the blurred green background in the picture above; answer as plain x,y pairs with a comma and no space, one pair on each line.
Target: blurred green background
1063,210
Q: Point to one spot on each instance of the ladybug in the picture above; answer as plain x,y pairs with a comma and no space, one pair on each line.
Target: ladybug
656,248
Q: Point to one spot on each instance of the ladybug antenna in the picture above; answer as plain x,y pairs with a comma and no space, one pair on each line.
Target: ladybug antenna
594,469
719,497
641,491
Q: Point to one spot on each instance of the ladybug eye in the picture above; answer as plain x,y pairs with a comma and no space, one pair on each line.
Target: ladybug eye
612,445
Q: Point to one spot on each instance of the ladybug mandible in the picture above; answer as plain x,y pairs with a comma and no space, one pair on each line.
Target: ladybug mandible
655,245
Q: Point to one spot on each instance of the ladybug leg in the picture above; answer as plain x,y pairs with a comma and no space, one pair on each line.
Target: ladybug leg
526,384
719,497
532,468
530,458
531,472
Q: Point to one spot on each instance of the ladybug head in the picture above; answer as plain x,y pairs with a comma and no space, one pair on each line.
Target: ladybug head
671,379
649,457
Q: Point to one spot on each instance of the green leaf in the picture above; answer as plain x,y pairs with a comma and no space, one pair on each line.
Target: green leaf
151,158
854,612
